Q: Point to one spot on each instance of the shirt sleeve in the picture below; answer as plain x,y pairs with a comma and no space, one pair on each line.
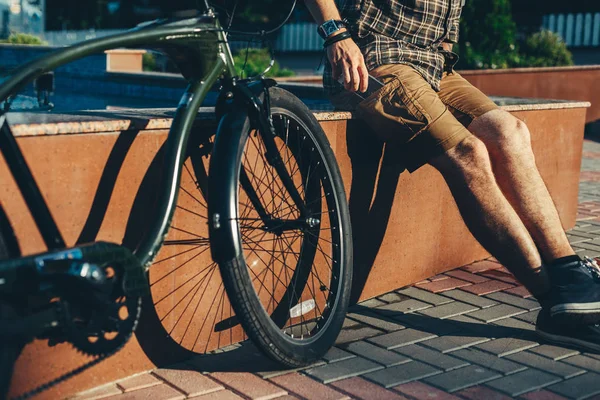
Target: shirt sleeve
453,33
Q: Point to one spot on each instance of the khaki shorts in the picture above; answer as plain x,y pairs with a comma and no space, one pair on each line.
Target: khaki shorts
409,112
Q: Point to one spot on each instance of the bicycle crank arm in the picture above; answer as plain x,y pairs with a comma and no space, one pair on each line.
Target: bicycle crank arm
29,326
83,264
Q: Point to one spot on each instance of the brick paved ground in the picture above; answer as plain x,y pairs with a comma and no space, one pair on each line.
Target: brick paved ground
465,334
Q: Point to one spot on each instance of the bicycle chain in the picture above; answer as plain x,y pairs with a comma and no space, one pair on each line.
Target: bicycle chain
49,385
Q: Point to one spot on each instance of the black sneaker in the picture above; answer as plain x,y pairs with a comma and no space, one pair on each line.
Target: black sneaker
583,337
575,290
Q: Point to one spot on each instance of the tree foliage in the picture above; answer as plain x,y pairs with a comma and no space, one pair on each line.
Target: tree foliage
489,39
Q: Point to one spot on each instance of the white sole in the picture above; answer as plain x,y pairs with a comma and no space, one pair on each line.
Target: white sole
580,344
576,308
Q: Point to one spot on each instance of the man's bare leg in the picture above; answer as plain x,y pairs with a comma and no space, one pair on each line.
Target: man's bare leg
508,142
489,216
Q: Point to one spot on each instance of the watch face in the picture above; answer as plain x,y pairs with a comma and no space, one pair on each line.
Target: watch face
329,27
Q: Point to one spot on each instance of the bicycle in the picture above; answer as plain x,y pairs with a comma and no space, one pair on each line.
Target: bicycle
276,215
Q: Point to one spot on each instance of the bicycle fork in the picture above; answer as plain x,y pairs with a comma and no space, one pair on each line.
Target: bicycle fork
261,118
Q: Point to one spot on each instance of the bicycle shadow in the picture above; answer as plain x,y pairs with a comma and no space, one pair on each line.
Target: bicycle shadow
376,168
245,357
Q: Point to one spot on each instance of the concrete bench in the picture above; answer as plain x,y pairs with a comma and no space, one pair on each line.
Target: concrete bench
406,227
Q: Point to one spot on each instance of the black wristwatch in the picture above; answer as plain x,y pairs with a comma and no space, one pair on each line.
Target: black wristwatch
329,27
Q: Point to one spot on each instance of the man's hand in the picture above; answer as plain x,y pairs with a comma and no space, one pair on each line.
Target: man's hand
447,46
347,61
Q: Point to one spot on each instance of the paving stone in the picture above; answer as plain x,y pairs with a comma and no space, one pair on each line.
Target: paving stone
307,388
591,246
496,312
582,234
462,378
406,306
421,391
400,374
574,239
523,382
250,385
160,391
596,356
484,288
99,393
505,346
191,383
443,285
501,276
586,253
372,303
489,361
362,389
222,395
449,343
519,302
479,301
424,296
515,324
553,352
449,310
356,333
371,352
400,338
559,368
580,387
336,354
530,316
433,325
481,393
473,327
520,291
375,320
481,266
392,298
138,382
342,369
349,323
467,276
584,361
542,395
431,357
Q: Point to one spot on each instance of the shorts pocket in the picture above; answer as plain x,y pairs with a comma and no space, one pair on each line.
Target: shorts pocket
391,114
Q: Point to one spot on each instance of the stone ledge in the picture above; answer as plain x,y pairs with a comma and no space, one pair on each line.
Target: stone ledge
95,121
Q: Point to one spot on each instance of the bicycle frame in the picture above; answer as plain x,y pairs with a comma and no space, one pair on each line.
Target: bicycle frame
206,54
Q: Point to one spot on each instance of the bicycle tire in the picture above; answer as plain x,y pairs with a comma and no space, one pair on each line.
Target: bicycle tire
9,349
281,341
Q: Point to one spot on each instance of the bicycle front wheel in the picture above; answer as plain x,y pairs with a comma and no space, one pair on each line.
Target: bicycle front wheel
290,282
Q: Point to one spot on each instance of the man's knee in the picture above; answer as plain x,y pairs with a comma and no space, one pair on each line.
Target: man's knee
469,157
502,133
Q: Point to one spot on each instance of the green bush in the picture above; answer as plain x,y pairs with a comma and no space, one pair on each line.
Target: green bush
149,62
488,39
256,62
487,35
545,49
23,38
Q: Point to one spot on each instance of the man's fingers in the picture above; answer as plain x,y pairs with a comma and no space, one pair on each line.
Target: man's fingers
355,84
347,77
364,78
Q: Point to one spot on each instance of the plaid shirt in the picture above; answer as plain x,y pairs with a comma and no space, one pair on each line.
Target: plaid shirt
402,32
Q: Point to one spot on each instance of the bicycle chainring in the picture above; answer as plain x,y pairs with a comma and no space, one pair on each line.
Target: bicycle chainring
103,329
